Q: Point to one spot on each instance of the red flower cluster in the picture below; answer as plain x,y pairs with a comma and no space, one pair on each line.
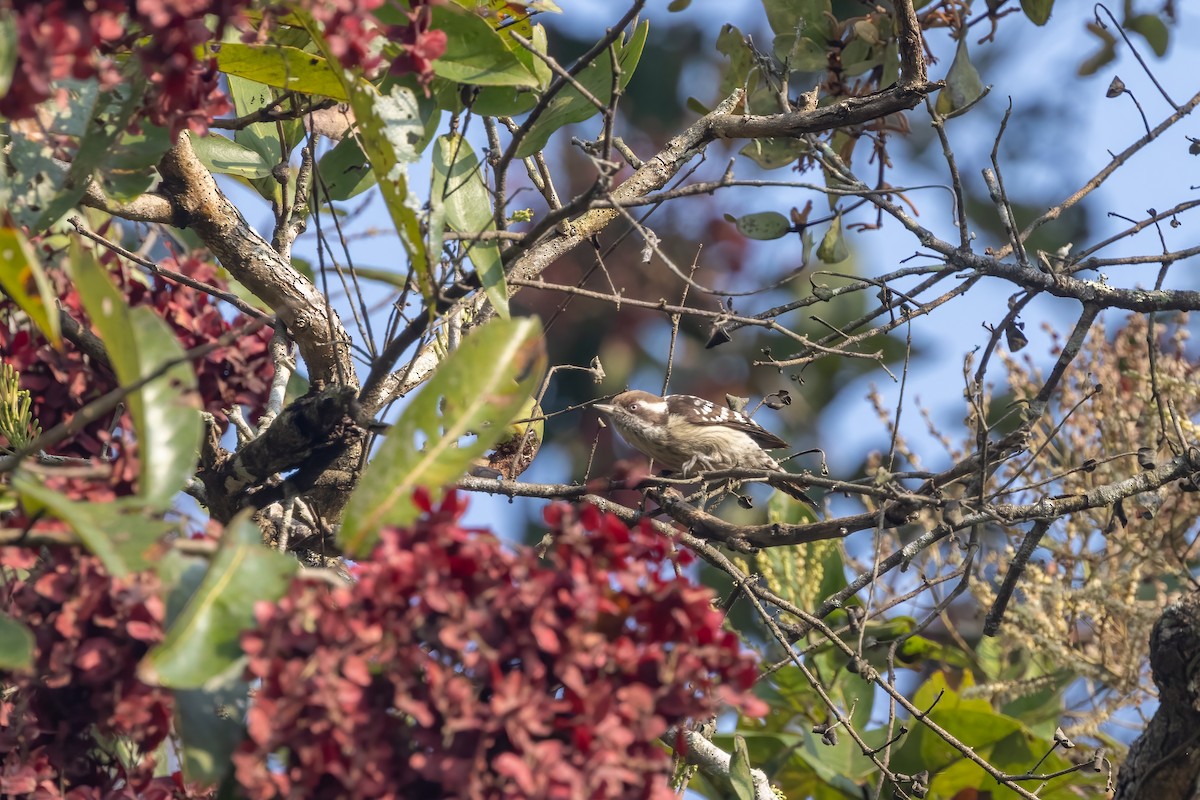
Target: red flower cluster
63,382
455,668
90,630
77,39
74,39
351,28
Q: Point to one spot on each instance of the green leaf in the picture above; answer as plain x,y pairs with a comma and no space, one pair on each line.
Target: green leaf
165,411
800,52
223,155
345,171
774,152
476,54
391,131
287,68
35,182
569,105
204,641
128,170
1153,30
1103,56
16,644
739,770
832,249
732,42
99,119
963,84
459,188
764,225
119,534
1038,11
209,723
481,387
814,18
21,275
8,51
262,137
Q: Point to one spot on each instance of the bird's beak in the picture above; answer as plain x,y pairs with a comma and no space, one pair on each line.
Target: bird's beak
604,408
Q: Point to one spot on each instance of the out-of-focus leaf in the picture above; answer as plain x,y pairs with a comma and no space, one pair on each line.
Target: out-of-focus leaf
24,281
287,68
209,722
814,18
119,533
128,170
1153,30
204,641
832,249
42,190
8,51
963,84
105,115
482,386
1106,53
739,770
800,52
775,152
570,106
166,411
459,188
763,225
475,53
35,183
16,644
223,155
1038,11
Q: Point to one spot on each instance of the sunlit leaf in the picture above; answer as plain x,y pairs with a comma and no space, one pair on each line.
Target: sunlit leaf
227,157
459,188
287,68
166,411
475,53
204,641
481,386
24,281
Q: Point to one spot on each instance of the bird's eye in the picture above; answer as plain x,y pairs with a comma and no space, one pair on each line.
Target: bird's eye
633,406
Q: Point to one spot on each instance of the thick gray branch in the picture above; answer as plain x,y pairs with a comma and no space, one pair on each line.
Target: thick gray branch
200,205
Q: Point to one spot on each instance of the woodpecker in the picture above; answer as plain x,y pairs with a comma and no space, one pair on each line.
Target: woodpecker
690,435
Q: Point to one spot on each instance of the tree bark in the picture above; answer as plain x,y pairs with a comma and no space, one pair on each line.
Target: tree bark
1164,762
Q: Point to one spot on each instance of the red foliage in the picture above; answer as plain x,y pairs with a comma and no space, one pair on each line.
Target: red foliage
455,668
78,39
63,382
351,29
90,630
74,38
